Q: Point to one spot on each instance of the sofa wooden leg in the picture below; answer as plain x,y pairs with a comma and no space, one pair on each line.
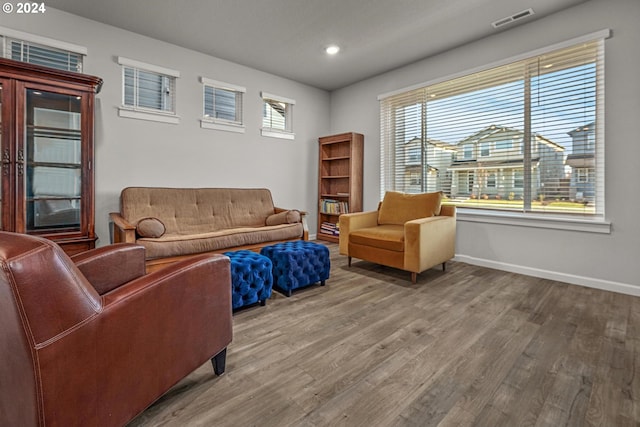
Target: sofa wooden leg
349,261
219,362
444,266
414,278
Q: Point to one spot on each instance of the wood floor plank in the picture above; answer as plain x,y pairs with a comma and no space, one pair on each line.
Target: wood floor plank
470,346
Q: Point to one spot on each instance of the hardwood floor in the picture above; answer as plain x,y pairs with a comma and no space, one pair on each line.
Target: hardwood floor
467,347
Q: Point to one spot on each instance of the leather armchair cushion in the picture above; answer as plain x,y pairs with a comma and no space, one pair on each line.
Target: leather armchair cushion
398,208
390,237
284,217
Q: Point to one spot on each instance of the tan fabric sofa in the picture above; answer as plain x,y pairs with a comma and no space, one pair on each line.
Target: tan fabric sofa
412,232
174,223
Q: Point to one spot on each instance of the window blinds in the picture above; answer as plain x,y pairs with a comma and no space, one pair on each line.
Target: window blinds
147,89
33,53
223,104
523,136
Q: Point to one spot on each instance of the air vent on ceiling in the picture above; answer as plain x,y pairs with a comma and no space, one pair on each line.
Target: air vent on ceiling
512,18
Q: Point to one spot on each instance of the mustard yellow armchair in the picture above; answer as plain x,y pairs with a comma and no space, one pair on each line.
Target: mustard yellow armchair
412,232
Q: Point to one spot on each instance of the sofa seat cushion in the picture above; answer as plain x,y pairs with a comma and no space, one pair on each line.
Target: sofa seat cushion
174,244
390,237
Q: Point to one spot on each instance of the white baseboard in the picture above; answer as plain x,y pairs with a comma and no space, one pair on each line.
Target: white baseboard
590,282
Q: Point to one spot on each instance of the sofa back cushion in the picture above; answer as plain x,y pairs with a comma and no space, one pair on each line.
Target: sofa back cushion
197,210
397,208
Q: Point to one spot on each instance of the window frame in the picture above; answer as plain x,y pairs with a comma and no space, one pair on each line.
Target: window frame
146,113
596,223
208,122
270,131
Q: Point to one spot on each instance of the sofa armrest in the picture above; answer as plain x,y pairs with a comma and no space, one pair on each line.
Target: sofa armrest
303,220
354,221
429,242
108,267
122,231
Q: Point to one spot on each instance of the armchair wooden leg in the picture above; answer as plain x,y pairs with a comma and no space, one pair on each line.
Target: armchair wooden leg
414,277
444,266
219,362
349,261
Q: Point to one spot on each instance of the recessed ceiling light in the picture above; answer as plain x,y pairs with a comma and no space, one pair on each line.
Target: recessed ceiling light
332,49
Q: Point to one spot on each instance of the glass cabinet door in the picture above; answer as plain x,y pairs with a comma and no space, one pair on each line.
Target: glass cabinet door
51,161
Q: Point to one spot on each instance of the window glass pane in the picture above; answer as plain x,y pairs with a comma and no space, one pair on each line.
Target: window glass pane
222,104
517,137
150,90
147,89
129,87
275,115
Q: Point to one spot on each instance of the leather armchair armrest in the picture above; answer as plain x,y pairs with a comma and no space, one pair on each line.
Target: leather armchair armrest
428,242
122,230
109,267
354,221
184,306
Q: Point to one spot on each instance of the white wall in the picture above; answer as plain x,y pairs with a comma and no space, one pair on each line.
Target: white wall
131,152
608,261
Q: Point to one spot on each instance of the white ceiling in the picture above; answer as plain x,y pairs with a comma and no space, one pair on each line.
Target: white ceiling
287,37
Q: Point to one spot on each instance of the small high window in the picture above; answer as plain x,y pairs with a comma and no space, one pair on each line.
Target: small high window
39,50
277,116
222,106
148,91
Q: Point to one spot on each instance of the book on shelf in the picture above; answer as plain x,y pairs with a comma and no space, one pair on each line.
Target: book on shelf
331,206
330,228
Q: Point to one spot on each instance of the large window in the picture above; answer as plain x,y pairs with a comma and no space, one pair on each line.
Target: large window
514,137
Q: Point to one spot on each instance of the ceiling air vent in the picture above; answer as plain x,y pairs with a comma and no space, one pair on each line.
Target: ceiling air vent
515,17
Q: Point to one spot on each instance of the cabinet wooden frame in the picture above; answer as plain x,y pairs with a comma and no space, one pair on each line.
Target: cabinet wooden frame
16,79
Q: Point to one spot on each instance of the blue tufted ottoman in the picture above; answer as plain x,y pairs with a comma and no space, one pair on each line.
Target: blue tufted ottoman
298,264
251,279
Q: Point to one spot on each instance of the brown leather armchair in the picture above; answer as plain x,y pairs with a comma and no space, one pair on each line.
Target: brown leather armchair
93,341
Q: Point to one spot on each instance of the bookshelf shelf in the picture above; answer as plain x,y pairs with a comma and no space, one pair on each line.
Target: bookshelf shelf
339,181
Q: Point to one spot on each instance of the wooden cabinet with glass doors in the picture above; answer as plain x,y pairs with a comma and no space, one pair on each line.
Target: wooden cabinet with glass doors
47,153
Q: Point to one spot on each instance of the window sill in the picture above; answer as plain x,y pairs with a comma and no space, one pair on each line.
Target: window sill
275,134
537,221
207,124
148,115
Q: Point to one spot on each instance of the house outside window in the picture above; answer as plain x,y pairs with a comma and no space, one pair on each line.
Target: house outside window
467,151
277,116
533,122
148,91
485,148
491,180
222,106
